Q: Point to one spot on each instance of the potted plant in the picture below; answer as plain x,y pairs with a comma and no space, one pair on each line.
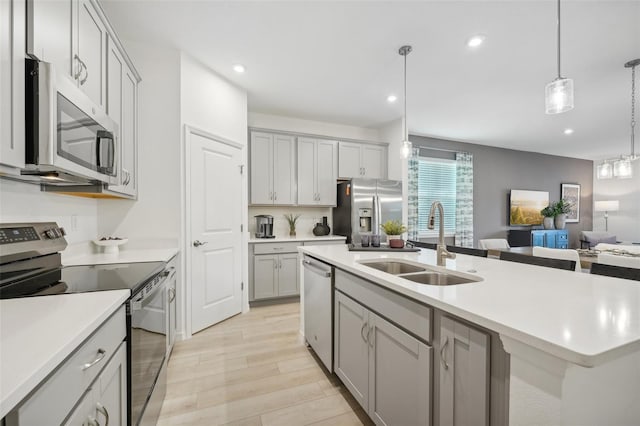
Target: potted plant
549,213
292,219
394,229
561,209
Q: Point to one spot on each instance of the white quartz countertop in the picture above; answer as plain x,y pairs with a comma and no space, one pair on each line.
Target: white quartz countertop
123,256
581,318
38,333
297,239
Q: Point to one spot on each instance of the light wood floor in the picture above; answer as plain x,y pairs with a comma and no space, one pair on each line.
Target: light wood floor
253,369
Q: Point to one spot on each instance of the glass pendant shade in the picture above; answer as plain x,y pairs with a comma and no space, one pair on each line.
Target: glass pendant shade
406,149
622,168
604,171
559,96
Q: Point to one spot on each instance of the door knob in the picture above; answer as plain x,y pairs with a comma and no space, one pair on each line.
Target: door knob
197,243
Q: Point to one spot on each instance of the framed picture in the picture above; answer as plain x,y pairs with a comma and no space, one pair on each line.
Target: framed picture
570,192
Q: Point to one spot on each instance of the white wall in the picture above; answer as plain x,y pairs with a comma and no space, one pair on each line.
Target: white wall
625,223
211,103
156,213
298,125
397,165
23,202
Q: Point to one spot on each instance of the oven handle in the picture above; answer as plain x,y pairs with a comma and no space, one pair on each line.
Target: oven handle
143,301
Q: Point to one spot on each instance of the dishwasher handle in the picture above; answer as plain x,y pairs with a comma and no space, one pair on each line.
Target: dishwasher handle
316,269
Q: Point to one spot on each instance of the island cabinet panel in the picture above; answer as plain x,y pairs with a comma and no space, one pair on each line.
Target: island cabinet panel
351,347
463,386
399,376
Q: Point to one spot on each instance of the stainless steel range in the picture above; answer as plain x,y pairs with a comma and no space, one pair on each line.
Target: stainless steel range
30,265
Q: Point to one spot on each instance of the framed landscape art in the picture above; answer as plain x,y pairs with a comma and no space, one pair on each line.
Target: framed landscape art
570,192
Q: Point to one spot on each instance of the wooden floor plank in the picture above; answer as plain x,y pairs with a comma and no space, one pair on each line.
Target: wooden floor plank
253,370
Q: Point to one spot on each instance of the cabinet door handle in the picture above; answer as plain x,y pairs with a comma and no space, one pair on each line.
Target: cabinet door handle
79,71
92,421
275,195
372,336
101,354
83,66
362,333
103,410
442,354
172,295
271,195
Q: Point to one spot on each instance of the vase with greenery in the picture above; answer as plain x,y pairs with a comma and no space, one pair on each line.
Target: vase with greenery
561,209
549,213
394,229
292,220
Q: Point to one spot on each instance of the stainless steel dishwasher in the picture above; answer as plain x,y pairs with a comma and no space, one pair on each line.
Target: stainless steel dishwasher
318,308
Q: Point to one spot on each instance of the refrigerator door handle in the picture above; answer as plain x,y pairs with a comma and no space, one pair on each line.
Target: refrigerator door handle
375,225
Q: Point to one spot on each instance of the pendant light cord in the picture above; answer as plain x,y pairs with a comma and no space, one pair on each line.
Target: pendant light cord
559,75
633,111
405,126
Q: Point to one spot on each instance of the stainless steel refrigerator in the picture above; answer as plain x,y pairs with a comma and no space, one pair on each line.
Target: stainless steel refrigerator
363,204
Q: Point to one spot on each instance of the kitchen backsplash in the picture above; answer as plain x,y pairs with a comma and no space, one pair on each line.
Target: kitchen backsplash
23,202
309,216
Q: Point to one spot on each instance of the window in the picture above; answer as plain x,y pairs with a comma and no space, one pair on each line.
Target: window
436,182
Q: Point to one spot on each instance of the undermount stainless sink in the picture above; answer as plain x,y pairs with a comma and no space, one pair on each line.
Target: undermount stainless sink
421,274
436,278
394,267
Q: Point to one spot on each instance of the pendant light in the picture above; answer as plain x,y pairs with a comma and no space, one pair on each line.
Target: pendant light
559,93
406,144
621,167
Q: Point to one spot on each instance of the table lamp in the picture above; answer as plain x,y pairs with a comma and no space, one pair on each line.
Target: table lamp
606,207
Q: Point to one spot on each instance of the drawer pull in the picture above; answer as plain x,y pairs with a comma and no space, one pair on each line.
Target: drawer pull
101,354
103,410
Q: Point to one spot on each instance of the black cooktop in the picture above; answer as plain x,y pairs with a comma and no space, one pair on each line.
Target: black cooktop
82,279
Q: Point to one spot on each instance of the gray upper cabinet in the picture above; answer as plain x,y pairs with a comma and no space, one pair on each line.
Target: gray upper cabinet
362,160
273,180
317,172
56,47
12,48
385,369
78,45
122,102
91,52
463,389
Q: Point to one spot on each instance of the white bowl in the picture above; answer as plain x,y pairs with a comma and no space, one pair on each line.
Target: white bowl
110,246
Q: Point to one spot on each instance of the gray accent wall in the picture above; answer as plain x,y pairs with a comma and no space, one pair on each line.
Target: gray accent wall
498,170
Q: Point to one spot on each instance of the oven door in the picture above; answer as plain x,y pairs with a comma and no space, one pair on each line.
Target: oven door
68,131
148,340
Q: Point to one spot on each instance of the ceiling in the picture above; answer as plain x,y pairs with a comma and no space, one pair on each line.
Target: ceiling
338,61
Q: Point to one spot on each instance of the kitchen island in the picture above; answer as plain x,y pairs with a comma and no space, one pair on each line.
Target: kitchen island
572,339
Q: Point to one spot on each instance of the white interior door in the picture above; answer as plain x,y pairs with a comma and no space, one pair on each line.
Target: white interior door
216,216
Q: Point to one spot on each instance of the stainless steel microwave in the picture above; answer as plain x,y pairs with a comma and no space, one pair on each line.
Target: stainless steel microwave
68,137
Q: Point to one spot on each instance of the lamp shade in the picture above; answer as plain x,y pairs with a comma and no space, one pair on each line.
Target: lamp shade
607,206
559,96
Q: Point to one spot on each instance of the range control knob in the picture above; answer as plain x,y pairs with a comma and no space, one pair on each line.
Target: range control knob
62,232
50,234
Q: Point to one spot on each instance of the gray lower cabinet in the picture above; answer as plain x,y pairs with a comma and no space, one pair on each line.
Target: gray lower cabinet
106,400
275,275
387,370
463,371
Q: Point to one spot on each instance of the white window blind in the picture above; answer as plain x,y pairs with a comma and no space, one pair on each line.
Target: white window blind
436,182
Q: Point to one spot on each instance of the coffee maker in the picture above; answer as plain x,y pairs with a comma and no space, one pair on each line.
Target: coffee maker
264,226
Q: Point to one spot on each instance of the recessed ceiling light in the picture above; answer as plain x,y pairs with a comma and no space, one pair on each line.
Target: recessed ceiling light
239,68
475,41
568,131
392,98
